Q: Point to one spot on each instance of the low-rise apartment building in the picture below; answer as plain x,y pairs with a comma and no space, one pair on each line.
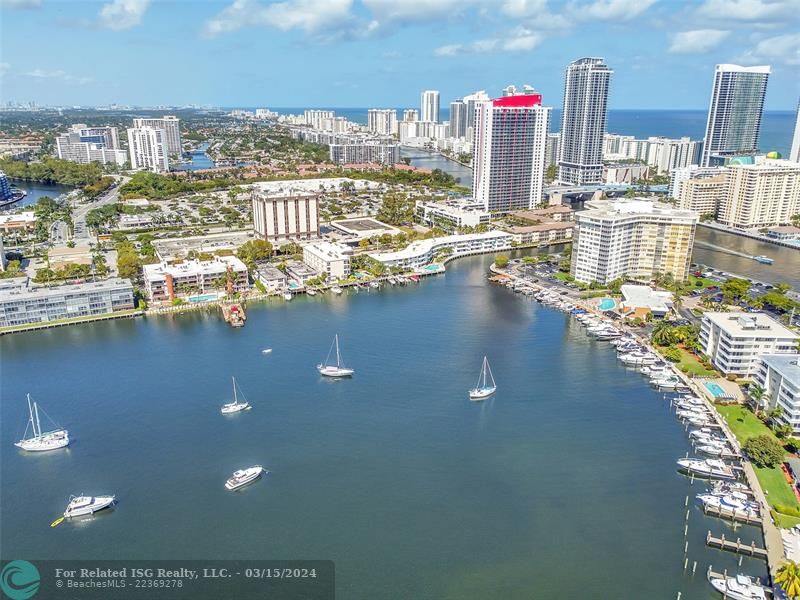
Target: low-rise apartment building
422,252
331,260
451,215
734,341
165,282
779,377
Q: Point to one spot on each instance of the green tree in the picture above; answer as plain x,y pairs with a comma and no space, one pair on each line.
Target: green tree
734,289
672,354
253,251
764,450
788,577
756,392
501,261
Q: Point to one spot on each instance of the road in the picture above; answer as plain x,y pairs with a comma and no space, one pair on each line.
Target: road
59,234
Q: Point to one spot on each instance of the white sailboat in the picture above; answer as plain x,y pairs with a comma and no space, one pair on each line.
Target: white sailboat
485,386
235,406
331,370
39,441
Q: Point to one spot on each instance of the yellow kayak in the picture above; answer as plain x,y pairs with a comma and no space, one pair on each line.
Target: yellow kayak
57,522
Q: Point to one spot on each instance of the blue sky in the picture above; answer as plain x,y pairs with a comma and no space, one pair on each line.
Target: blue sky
359,53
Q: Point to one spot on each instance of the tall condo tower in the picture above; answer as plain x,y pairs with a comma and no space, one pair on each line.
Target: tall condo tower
510,135
734,113
794,154
429,106
458,119
583,121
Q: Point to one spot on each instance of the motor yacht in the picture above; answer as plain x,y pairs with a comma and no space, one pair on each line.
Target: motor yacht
710,467
242,477
86,505
739,587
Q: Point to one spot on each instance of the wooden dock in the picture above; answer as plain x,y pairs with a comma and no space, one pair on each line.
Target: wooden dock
732,515
711,574
738,547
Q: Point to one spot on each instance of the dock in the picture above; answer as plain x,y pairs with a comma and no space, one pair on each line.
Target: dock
737,547
711,574
234,314
732,515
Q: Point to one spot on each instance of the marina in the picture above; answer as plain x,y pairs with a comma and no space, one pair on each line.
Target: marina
378,451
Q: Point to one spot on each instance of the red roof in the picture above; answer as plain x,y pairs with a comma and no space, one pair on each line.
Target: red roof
518,101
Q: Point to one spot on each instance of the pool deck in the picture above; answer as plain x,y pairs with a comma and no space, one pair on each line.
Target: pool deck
730,388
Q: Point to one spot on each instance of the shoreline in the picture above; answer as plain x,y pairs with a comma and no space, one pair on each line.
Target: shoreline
753,236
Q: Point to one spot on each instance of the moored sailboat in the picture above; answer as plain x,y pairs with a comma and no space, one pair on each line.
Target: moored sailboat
486,385
334,370
236,405
41,441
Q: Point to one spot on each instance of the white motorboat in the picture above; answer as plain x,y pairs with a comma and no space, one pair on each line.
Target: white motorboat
724,487
637,358
236,405
740,587
711,468
486,385
711,448
266,351
334,370
311,292
287,296
699,421
667,383
40,441
242,477
336,290
733,502
86,505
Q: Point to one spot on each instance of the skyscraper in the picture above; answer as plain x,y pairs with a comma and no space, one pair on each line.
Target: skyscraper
148,149
470,101
382,121
410,115
509,152
794,154
583,121
734,113
429,106
458,119
172,131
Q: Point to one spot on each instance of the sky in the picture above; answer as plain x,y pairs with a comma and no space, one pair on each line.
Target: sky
382,53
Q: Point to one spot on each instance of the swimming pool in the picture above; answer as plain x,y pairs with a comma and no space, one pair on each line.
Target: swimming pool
715,389
293,285
607,304
203,298
433,268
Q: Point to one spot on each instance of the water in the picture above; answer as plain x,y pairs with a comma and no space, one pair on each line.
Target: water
786,267
37,190
564,482
198,160
431,160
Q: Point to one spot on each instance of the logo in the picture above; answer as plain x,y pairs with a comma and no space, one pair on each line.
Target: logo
19,580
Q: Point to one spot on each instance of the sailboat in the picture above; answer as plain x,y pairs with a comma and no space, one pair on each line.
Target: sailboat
235,406
336,370
485,386
41,442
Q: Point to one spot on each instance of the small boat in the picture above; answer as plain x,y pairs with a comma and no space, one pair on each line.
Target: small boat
311,292
337,370
41,441
374,284
86,505
711,448
242,477
486,385
765,260
266,351
710,468
733,502
336,290
740,587
235,406
287,296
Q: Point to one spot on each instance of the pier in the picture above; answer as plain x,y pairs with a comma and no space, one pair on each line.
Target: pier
737,547
732,515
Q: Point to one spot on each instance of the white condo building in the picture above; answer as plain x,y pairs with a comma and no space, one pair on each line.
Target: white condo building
779,377
315,118
703,195
82,144
382,121
331,260
734,341
164,281
678,176
148,149
458,119
285,214
367,152
633,238
509,139
172,130
423,252
794,154
583,121
760,195
429,106
410,115
734,112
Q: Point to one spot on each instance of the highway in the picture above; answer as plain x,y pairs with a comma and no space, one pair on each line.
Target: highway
59,234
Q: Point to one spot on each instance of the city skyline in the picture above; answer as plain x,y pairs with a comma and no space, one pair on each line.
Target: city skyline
375,53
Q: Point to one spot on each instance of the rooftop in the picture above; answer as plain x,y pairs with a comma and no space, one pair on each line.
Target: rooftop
23,217
23,289
420,247
307,187
194,267
636,206
642,296
329,250
549,226
748,324
788,365
175,248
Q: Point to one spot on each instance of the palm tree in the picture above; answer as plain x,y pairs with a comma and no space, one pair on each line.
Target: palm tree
756,392
788,577
662,334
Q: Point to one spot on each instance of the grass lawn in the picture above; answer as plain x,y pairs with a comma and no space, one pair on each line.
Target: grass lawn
745,425
562,275
691,366
785,521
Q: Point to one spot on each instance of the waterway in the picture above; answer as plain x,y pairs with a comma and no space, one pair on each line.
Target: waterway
786,267
36,190
198,159
432,160
562,486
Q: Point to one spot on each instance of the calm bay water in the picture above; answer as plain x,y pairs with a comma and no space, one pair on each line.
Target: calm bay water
36,190
564,485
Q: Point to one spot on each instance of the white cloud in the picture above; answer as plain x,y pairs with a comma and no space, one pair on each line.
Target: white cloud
20,3
311,16
122,14
610,10
779,49
748,10
59,74
386,11
697,41
521,40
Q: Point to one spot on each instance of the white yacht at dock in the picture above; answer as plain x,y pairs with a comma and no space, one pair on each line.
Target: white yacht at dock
739,587
710,468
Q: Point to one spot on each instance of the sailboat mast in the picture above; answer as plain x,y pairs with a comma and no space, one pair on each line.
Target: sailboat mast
30,416
484,372
38,431
338,358
235,401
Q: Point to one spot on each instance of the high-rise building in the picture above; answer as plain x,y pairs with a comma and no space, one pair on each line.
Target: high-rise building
794,154
284,215
314,118
760,195
551,149
5,187
83,144
382,121
366,152
458,119
703,194
470,100
410,115
583,121
681,174
510,134
636,239
429,106
734,113
148,149
172,131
